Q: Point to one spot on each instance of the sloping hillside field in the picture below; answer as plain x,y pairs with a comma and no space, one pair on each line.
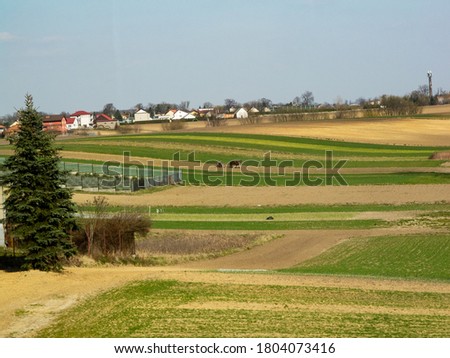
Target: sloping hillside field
265,160
265,236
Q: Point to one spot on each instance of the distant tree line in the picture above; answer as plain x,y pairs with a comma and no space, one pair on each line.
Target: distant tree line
303,103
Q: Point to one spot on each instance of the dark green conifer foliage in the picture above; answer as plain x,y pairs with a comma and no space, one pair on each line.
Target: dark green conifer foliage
39,210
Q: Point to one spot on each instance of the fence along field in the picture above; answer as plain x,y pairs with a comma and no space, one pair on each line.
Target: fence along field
91,176
189,307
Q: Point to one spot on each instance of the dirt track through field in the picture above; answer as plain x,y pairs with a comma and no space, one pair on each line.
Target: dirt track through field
293,248
31,300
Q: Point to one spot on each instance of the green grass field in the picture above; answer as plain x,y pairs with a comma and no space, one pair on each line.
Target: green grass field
270,225
186,309
304,208
409,256
298,217
278,144
285,152
211,147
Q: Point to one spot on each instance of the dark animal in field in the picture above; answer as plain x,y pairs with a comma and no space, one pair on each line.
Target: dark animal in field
219,165
235,164
269,218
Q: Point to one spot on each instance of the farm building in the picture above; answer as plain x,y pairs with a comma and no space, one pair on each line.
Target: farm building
202,112
54,123
102,121
142,116
241,113
71,123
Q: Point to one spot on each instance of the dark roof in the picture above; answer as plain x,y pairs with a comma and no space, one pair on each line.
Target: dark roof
52,118
103,118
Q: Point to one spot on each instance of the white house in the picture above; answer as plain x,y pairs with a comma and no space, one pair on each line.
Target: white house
85,119
141,116
254,110
71,123
182,115
241,113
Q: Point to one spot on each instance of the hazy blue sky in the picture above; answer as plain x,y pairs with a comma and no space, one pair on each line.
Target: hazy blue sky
82,54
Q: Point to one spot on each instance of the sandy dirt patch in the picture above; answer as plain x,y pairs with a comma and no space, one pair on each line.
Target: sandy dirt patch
254,196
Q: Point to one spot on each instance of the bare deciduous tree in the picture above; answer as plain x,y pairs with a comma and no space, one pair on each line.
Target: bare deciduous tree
229,102
109,109
307,99
103,232
184,105
92,219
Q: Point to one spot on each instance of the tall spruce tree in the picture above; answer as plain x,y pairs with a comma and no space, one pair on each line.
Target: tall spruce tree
39,210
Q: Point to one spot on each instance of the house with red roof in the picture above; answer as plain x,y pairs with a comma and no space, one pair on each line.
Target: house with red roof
71,123
103,121
85,119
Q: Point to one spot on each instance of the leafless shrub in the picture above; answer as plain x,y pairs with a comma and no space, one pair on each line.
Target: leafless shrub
129,129
215,121
280,118
102,233
173,125
251,119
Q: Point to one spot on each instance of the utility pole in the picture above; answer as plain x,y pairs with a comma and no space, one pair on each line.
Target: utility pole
430,86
